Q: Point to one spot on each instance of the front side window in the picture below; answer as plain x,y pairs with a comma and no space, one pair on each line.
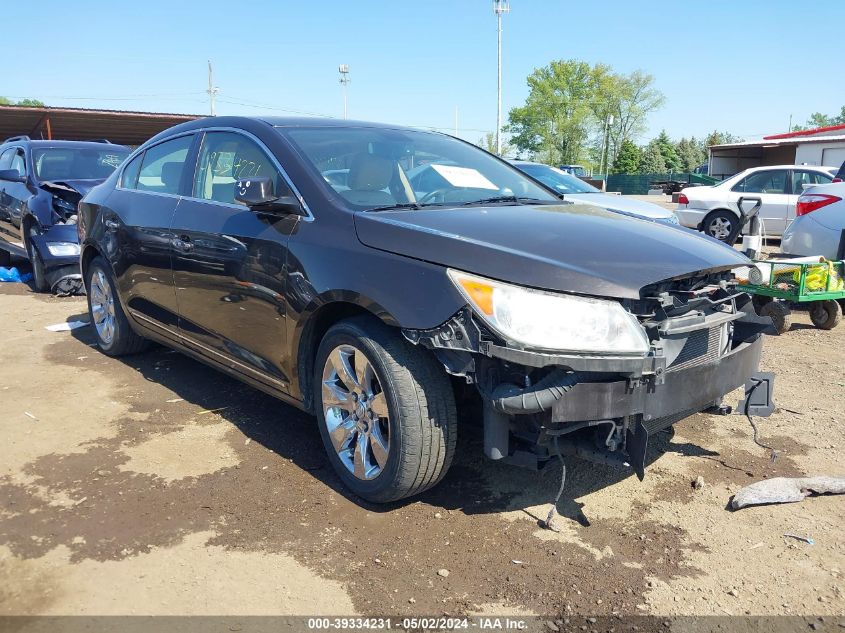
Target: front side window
226,157
773,181
163,165
387,167
800,179
74,163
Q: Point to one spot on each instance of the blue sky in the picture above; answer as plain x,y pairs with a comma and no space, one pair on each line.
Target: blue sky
743,66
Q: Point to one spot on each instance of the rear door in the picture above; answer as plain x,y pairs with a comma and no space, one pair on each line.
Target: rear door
230,262
772,187
138,238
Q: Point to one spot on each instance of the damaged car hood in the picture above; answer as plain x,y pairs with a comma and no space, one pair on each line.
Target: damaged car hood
80,187
560,247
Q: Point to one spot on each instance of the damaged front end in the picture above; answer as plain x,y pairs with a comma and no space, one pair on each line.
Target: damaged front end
57,241
701,340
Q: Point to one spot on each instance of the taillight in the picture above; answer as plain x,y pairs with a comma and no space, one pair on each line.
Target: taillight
811,201
837,180
682,199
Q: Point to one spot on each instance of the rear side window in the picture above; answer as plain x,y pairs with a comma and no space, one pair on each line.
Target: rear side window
163,165
800,179
129,178
773,181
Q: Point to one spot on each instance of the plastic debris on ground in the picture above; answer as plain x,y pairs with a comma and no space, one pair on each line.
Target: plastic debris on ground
13,275
66,326
786,490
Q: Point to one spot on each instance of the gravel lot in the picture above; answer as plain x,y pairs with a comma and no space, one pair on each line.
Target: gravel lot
157,478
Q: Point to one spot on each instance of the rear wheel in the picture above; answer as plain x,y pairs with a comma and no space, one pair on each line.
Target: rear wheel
825,315
719,224
115,336
780,315
386,411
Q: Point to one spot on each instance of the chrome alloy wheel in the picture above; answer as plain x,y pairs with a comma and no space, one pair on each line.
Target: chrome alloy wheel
102,306
355,410
720,228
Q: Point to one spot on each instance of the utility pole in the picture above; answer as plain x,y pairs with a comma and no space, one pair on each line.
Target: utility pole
790,124
343,69
499,7
212,90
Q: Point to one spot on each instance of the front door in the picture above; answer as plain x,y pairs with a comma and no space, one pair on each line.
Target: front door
13,197
771,187
229,262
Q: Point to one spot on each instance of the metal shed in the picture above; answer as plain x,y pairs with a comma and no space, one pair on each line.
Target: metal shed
83,124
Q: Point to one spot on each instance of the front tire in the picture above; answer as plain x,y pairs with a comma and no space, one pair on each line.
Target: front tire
39,274
115,335
719,224
385,409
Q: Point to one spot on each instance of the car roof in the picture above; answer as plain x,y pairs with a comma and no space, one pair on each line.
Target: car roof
811,167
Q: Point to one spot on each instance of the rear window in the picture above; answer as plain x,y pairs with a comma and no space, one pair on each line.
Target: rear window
163,165
75,163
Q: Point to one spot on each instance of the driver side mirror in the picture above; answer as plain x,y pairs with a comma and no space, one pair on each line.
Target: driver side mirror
258,195
12,175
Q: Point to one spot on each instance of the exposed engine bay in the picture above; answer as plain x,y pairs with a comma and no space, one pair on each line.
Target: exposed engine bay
704,341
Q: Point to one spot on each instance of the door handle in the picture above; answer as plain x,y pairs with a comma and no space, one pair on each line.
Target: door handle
111,225
182,244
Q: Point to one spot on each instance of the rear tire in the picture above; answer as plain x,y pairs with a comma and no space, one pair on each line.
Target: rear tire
719,224
780,314
825,315
115,336
413,411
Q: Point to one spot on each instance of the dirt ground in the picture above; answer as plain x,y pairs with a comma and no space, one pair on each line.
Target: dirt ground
155,485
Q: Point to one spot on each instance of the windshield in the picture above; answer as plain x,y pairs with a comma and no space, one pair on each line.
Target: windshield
375,168
74,163
556,179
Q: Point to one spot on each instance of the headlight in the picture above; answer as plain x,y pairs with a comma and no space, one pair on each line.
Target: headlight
62,249
552,321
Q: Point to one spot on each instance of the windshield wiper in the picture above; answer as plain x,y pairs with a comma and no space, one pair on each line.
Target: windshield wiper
400,205
515,199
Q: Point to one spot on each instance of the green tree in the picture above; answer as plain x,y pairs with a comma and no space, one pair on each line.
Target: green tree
652,160
30,103
488,142
720,138
556,120
632,98
628,158
691,152
667,151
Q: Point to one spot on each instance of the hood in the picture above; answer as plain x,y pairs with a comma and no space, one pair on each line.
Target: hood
562,247
620,203
81,187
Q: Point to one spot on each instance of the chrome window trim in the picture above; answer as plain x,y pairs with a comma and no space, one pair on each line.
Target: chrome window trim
309,217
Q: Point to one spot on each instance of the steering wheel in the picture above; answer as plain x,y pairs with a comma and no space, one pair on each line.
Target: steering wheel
431,196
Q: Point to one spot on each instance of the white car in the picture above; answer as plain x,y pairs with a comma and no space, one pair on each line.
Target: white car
575,189
819,228
713,209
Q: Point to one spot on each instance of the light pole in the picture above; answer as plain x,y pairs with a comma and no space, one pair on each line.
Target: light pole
499,7
212,90
343,69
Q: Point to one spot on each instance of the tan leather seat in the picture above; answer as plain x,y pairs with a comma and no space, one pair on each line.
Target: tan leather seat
368,181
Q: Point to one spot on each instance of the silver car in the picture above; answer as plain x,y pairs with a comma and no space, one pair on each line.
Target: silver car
575,189
819,226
